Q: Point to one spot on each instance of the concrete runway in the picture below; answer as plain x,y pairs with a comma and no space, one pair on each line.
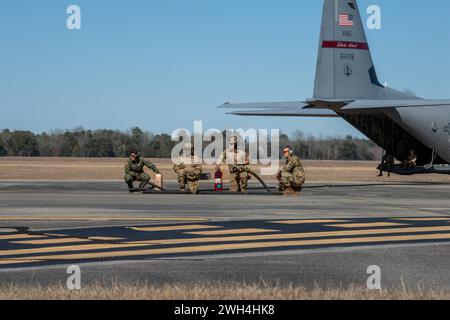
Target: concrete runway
327,237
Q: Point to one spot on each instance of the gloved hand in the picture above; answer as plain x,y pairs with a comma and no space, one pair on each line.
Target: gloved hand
279,176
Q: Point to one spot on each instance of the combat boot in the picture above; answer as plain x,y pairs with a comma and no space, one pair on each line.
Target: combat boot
193,188
143,185
291,192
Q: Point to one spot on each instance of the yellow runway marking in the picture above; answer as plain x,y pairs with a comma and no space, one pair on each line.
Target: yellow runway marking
87,247
52,241
233,231
293,236
244,246
132,244
90,238
174,228
366,225
105,238
17,261
19,236
306,221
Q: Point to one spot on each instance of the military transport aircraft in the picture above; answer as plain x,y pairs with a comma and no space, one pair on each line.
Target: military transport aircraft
347,86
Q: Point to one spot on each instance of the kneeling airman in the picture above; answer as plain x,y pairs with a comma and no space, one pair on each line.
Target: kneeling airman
134,170
292,177
188,170
238,162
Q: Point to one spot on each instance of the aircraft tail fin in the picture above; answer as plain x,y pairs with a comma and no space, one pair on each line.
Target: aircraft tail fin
345,69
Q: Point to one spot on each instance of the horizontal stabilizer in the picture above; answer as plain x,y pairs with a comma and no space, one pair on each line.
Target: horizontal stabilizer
328,103
386,104
264,105
288,112
279,109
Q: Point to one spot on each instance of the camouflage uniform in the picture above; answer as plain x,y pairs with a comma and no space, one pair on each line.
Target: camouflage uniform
239,171
387,163
193,172
180,169
134,171
188,173
411,161
292,176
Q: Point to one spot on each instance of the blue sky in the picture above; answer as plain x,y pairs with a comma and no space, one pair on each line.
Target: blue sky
162,64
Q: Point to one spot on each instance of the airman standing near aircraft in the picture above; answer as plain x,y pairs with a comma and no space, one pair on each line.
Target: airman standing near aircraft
292,177
134,170
387,163
188,170
238,162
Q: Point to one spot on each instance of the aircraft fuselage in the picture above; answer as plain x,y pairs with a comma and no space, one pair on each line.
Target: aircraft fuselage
430,125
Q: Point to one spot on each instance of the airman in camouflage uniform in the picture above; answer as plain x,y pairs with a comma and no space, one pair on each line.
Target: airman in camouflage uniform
292,177
188,170
411,161
238,162
193,173
179,167
134,170
387,163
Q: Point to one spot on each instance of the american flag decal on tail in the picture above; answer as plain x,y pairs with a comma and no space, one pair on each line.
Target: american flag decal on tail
346,20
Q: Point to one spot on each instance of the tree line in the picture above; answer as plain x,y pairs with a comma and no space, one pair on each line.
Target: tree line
114,143
332,148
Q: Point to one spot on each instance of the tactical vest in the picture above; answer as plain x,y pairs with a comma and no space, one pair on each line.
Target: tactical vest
137,167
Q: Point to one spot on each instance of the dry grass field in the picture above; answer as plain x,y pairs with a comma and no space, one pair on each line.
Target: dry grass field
12,168
210,292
